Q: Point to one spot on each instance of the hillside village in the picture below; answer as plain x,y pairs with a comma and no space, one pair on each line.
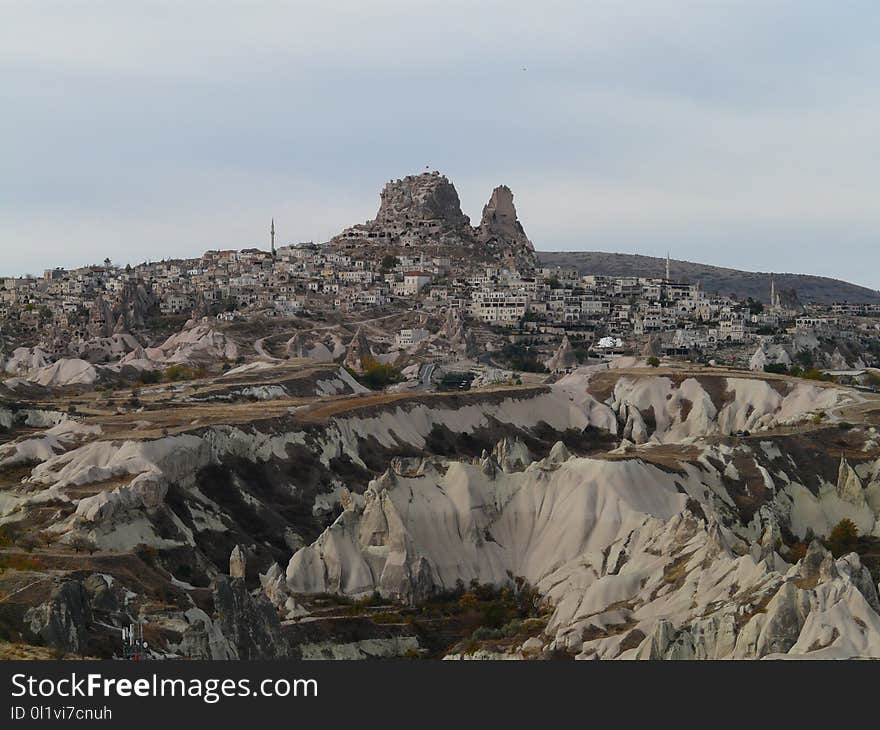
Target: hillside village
471,298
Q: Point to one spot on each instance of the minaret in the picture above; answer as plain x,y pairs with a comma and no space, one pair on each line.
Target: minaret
772,291
272,236
668,278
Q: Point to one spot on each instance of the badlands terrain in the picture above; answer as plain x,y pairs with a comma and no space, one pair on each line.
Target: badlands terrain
281,509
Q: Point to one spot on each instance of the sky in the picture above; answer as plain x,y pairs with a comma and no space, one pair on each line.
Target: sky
737,133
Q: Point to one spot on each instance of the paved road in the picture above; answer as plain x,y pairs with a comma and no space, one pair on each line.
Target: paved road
427,373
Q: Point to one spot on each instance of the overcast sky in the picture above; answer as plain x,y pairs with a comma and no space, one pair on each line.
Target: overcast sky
739,133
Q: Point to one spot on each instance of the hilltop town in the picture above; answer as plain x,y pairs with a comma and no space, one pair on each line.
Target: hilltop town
435,289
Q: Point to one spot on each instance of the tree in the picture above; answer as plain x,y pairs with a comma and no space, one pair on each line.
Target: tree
377,375
149,377
29,542
389,262
654,361
843,537
82,544
804,358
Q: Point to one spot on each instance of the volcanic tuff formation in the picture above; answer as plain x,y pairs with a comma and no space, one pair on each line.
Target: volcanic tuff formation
428,197
501,231
651,531
424,212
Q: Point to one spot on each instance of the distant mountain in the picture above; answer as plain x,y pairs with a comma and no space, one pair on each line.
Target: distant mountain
819,289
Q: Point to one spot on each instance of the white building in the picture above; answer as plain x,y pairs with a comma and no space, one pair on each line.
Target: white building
415,281
410,337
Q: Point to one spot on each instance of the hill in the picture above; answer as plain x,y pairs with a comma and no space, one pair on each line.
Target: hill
819,289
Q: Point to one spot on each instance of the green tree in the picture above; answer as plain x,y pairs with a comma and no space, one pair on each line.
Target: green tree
377,375
843,537
389,262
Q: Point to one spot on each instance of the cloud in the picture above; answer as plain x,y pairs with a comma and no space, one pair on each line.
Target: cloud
730,132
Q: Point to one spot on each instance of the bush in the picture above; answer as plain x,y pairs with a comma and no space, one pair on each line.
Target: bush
377,375
495,615
147,553
519,357
29,542
389,261
797,551
843,537
512,628
813,374
150,377
654,361
179,372
83,544
468,601
484,632
804,358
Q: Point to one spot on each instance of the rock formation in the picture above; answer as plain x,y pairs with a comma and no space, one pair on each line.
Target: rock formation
423,212
62,621
237,562
301,345
502,233
250,623
358,349
460,336
692,550
653,346
563,359
421,198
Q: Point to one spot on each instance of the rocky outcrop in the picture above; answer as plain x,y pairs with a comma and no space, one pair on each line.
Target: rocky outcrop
358,349
245,626
501,231
249,623
511,454
63,621
653,346
301,345
415,535
564,359
146,491
24,360
672,547
424,211
101,319
425,197
237,562
197,344
691,408
65,372
849,486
